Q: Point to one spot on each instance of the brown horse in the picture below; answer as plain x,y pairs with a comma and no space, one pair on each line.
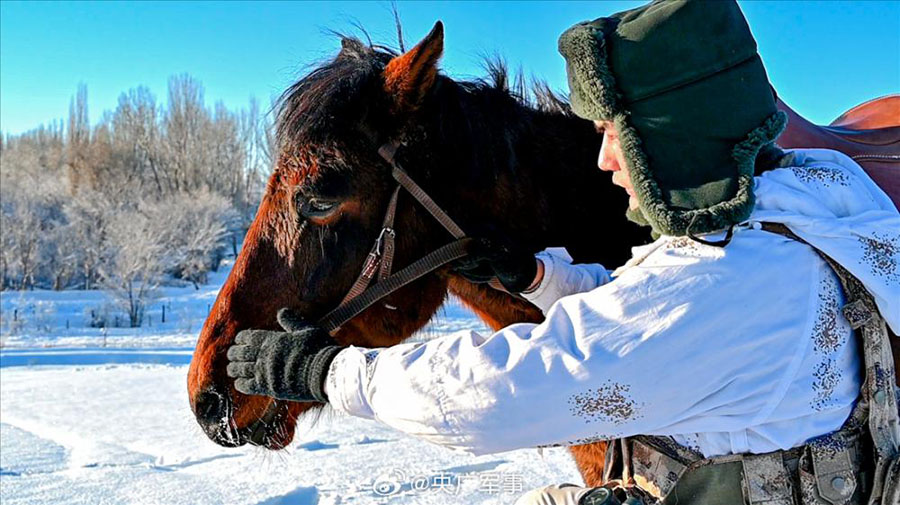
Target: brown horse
496,164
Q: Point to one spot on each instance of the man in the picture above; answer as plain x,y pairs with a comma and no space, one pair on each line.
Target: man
719,356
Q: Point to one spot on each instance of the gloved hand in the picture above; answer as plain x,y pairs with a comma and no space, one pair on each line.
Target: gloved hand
487,259
289,365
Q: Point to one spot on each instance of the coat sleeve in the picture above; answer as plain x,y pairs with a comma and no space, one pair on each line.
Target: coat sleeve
562,278
583,374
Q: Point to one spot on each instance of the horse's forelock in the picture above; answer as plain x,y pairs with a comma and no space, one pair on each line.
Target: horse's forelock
331,96
334,97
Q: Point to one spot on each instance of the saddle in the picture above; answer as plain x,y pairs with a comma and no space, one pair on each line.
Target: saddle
868,133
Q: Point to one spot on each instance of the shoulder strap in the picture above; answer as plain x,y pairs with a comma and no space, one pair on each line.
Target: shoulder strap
879,389
878,396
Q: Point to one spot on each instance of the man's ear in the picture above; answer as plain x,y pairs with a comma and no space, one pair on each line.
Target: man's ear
409,77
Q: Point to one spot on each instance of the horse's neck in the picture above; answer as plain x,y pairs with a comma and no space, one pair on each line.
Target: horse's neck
572,204
575,204
560,198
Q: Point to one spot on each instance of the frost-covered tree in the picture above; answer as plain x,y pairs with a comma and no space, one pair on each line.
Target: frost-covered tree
136,144
30,190
192,229
136,262
75,198
81,171
88,214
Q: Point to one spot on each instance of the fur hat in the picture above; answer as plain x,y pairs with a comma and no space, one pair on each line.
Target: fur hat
686,89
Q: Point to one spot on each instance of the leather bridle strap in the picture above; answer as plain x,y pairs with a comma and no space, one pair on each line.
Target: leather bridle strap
387,152
380,259
425,265
381,256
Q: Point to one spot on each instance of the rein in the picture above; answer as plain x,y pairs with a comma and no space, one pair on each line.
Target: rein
381,257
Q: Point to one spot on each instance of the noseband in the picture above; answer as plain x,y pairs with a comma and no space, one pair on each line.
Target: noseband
380,259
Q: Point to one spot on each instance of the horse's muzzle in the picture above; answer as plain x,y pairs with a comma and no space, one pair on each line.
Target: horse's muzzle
214,412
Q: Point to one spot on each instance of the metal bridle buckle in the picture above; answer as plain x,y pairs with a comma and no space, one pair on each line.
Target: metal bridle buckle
379,242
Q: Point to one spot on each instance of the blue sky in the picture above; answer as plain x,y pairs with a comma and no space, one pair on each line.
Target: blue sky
823,57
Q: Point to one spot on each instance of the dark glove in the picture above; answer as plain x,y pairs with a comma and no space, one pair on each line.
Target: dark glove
487,259
288,365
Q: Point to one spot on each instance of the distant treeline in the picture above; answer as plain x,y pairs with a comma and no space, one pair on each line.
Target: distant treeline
149,192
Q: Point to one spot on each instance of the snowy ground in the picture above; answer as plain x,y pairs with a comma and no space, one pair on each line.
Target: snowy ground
84,422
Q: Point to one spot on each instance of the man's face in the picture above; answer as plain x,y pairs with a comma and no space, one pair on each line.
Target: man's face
612,160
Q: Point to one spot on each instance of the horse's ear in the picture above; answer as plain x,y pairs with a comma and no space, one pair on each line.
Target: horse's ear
408,77
351,48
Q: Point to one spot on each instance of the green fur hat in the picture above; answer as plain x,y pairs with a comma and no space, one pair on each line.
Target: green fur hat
687,91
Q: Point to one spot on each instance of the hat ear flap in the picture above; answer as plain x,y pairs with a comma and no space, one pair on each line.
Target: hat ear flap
409,77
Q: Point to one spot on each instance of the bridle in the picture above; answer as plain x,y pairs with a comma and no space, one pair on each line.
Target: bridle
381,257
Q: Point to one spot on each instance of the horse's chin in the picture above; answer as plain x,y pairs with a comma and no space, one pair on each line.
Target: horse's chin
275,428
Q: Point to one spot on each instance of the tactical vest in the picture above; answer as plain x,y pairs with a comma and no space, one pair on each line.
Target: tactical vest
859,464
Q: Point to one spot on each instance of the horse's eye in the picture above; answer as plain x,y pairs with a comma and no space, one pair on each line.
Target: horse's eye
316,208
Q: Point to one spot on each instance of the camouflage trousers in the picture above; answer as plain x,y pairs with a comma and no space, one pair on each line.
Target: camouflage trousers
556,494
571,494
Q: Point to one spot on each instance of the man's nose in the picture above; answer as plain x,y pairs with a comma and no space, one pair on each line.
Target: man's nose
606,161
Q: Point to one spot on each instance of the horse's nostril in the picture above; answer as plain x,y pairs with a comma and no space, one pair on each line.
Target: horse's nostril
209,407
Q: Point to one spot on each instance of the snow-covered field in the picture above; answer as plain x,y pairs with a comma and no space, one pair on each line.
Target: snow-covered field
92,416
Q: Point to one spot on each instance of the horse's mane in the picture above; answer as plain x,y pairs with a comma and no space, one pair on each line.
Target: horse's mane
343,89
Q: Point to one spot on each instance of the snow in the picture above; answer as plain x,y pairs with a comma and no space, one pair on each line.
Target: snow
43,318
88,418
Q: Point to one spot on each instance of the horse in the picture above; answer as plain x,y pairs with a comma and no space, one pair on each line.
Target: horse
499,164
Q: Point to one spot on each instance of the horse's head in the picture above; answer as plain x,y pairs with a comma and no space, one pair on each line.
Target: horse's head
320,214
